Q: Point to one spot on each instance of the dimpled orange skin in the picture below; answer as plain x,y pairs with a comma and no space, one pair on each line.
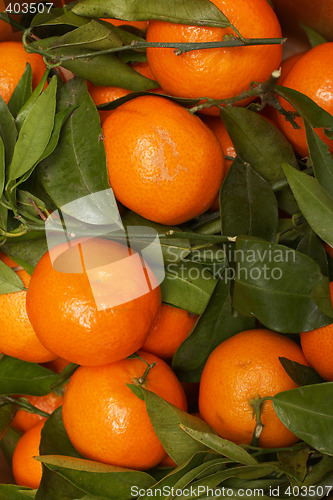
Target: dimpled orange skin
23,421
106,422
170,328
63,312
18,338
241,368
312,74
163,162
217,73
13,59
28,471
317,347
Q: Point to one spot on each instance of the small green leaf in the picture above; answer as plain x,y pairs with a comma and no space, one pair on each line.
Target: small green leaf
26,252
13,492
58,16
2,166
315,204
9,280
312,246
8,131
308,413
294,462
25,110
7,413
201,12
35,133
300,374
22,92
8,443
314,37
321,159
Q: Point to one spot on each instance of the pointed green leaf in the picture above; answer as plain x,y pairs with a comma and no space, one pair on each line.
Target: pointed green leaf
58,16
13,492
8,131
25,110
321,159
9,280
300,374
26,252
22,92
7,413
2,166
314,37
312,246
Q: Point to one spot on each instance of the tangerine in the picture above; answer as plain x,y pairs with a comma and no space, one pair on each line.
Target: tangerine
23,421
28,471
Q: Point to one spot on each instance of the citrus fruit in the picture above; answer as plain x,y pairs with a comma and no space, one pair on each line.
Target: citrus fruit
170,328
163,162
18,338
23,420
57,365
222,72
317,346
95,303
106,422
312,75
28,471
239,370
13,60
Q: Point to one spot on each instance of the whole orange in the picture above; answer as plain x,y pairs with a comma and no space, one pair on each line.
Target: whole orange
312,74
170,328
23,421
164,163
106,422
222,72
317,346
28,471
240,369
95,303
13,60
18,338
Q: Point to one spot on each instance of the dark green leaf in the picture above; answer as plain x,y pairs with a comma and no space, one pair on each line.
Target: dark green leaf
269,274
187,285
58,16
35,133
201,13
183,101
321,159
7,413
286,200
22,92
25,110
258,142
26,253
313,201
312,246
300,374
79,159
13,492
294,462
28,203
217,323
308,413
2,166
9,280
314,37
8,443
8,131
21,377
247,203
3,217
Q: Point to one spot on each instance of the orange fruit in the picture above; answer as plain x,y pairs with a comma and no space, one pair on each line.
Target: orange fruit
57,365
18,338
218,73
141,25
317,346
62,307
312,75
13,60
28,471
240,369
106,422
23,421
163,162
169,330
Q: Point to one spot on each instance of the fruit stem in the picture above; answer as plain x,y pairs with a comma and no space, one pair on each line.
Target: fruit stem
141,380
5,17
22,404
256,404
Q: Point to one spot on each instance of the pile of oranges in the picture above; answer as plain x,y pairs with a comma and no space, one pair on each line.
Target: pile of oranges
167,165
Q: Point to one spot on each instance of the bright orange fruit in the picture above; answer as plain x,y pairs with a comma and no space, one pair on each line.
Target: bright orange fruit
28,471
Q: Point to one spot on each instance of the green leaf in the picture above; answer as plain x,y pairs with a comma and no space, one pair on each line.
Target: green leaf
314,37
8,443
300,374
222,446
269,274
312,246
2,166
9,280
201,12
308,413
315,204
187,285
26,201
7,413
247,203
217,323
8,131
165,419
258,142
35,133
58,16
13,492
321,159
22,92
25,110
79,159
21,377
294,462
26,253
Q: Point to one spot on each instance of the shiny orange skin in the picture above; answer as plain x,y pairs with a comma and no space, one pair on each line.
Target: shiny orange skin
63,311
163,162
23,421
312,75
317,346
238,370
106,422
13,59
218,73
28,471
170,328
141,25
18,338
